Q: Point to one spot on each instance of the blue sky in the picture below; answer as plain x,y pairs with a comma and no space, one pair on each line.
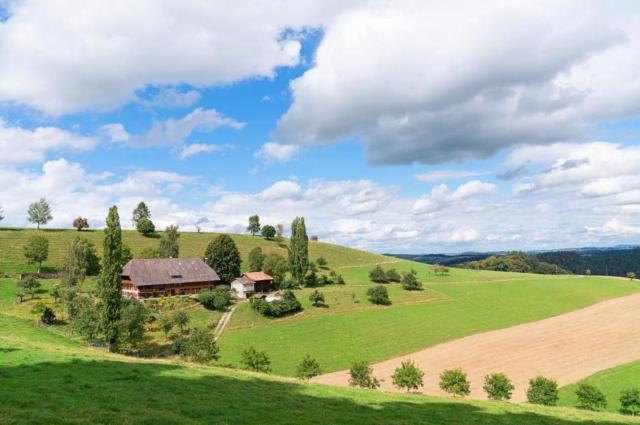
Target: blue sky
391,126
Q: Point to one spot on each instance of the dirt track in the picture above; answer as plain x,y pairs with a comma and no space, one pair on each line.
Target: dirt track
568,348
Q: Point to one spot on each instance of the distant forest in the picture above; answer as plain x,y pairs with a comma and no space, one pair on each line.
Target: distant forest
607,262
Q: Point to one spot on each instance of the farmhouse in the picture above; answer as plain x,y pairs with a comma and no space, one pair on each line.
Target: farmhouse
167,276
251,283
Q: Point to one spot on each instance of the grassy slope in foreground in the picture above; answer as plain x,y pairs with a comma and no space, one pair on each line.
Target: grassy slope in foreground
45,378
611,382
379,333
192,244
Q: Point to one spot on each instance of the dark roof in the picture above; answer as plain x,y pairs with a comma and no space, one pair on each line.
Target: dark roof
257,276
165,271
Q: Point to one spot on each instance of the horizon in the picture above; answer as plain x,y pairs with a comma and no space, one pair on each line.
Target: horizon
434,133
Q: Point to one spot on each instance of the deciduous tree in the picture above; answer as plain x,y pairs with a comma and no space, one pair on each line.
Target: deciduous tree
268,232
410,281
378,295
590,397
542,391
361,375
36,250
256,360
275,266
408,376
223,256
454,381
378,275
630,401
81,223
498,386
201,347
169,247
39,213
254,225
316,298
256,259
308,368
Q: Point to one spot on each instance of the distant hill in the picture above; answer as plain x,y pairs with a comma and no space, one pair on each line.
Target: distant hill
515,262
610,262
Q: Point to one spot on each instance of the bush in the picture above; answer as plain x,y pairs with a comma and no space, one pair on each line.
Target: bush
361,375
276,266
322,262
336,278
410,281
268,232
440,269
590,397
256,259
256,360
630,401
48,317
149,252
408,376
392,275
378,275
378,295
308,368
85,320
316,298
201,347
542,391
145,226
454,381
289,304
218,299
498,386
311,279
30,286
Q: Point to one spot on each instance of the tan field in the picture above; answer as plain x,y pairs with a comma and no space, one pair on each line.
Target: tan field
567,348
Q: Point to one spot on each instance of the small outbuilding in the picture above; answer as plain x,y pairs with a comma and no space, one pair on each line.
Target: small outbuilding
161,277
252,283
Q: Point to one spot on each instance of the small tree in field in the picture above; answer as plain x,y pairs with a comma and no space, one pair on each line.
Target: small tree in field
30,286
361,375
631,275
542,391
201,347
268,232
256,360
590,397
254,225
316,298
392,275
81,223
408,376
378,295
146,227
169,246
322,262
410,281
181,319
39,213
48,317
454,381
36,251
378,275
498,386
308,368
256,259
630,401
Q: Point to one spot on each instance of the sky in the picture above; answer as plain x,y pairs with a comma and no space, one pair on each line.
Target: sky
392,126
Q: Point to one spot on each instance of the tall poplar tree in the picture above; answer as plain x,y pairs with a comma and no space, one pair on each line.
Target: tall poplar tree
109,282
299,250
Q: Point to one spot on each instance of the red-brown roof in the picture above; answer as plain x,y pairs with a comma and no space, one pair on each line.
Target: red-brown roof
165,271
257,276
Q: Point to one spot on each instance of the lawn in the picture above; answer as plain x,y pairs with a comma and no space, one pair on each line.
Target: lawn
49,379
192,244
610,381
451,307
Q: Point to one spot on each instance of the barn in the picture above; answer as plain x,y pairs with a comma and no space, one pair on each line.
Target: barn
251,283
161,277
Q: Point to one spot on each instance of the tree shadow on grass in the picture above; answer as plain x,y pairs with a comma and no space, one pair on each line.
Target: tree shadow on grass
97,391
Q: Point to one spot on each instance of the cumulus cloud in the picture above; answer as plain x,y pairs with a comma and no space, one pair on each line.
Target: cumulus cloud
61,56
198,148
444,175
170,97
276,153
26,146
440,196
434,83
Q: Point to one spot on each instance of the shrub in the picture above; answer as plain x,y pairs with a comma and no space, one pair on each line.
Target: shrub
408,376
322,262
440,269
311,279
590,397
256,259
361,375
498,386
336,278
85,320
145,226
149,252
276,266
218,299
630,401
392,275
542,391
30,286
289,304
378,295
410,281
256,360
316,298
308,368
454,381
48,317
36,250
268,232
201,347
378,275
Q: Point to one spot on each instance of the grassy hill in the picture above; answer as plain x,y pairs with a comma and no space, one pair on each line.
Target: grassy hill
610,381
46,378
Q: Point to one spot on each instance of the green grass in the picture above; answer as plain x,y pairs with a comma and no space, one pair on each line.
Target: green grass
611,382
450,308
192,244
46,378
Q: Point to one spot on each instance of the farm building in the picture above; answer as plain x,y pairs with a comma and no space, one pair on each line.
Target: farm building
167,276
251,283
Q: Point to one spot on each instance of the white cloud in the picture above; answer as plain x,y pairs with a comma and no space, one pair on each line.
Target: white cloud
170,97
198,148
615,227
276,153
439,82
26,146
441,198
62,56
443,175
115,132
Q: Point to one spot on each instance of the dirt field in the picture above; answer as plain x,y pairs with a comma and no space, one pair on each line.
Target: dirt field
567,348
